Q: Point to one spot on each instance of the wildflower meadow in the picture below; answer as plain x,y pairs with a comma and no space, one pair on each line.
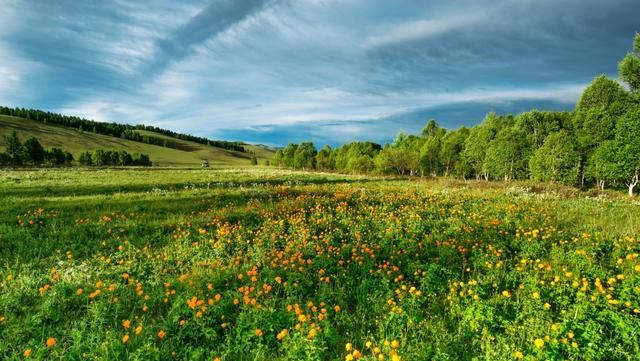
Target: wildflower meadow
255,264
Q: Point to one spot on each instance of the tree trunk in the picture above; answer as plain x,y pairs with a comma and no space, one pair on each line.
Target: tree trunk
632,184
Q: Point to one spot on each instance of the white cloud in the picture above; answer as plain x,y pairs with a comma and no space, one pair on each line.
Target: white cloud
423,29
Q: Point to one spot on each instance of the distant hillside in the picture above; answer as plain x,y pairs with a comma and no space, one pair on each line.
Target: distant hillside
182,152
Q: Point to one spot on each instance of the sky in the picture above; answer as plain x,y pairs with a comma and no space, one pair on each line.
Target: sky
327,71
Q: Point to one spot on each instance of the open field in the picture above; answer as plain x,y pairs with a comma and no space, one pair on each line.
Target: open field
257,264
190,154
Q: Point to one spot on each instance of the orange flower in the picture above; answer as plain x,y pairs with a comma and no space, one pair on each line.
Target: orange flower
51,342
161,334
126,324
27,353
125,338
259,332
138,329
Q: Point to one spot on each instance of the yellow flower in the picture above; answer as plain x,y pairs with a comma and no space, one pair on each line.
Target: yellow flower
518,355
348,346
312,333
547,306
27,353
282,334
536,295
395,344
539,343
506,293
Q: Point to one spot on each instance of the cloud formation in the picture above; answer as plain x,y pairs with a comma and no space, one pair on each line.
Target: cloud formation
270,71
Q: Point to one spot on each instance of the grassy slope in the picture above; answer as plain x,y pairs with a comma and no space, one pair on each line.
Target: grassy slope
77,142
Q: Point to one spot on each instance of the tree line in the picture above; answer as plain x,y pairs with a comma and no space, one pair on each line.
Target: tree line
598,143
124,131
32,153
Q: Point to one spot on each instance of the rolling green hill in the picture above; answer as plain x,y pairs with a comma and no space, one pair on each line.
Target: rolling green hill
184,153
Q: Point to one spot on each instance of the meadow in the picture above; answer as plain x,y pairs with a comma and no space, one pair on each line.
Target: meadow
267,264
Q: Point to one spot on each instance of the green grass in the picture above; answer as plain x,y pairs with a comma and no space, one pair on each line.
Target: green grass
190,154
222,261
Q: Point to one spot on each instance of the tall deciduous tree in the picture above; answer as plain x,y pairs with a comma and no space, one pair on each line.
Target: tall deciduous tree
305,156
325,160
556,161
603,166
628,142
629,67
508,154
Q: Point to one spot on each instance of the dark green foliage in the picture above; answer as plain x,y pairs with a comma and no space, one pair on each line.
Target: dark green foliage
33,152
14,149
85,158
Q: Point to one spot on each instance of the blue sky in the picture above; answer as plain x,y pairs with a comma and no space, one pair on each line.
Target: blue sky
273,71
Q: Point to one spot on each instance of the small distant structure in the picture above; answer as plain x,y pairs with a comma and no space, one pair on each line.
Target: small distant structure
205,164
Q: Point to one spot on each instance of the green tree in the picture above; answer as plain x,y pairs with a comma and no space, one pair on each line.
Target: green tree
55,157
628,142
629,67
254,160
538,125
85,159
602,165
507,155
33,152
277,159
99,158
14,148
451,149
325,159
431,128
605,94
429,161
556,161
475,149
305,156
288,155
396,159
